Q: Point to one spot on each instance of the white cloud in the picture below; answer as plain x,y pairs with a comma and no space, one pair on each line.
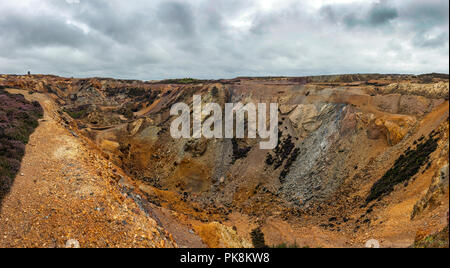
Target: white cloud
223,38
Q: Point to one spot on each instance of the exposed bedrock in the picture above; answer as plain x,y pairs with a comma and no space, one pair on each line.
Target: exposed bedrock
332,129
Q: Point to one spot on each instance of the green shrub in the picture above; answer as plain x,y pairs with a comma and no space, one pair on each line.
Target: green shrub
76,114
285,245
258,238
406,167
438,240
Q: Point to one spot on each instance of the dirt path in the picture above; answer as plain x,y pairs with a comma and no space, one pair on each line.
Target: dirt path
63,192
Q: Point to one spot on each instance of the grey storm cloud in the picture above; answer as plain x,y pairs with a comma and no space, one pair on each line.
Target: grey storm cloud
381,14
223,38
178,17
372,15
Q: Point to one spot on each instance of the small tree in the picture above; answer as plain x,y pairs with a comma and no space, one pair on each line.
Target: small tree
215,91
258,238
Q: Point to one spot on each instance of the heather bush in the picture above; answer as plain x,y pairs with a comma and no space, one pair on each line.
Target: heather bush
405,168
18,119
258,238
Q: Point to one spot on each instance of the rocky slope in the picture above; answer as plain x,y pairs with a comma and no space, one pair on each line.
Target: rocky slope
65,194
359,156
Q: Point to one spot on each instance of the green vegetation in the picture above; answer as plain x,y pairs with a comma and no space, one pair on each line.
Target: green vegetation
214,92
285,150
76,114
181,81
439,240
136,92
187,81
258,238
285,245
18,119
239,153
406,166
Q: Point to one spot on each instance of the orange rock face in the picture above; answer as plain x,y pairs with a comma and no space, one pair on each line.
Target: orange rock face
338,136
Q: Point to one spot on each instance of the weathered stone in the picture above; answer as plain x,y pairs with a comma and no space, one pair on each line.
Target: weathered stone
349,122
196,147
135,126
387,103
304,117
110,146
393,128
286,108
414,105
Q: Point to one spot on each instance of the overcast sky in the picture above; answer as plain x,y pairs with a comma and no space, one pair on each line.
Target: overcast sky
223,38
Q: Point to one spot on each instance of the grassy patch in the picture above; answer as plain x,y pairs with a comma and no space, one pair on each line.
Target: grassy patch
285,245
76,113
184,81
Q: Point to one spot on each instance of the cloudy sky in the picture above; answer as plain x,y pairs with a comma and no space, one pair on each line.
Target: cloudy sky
159,39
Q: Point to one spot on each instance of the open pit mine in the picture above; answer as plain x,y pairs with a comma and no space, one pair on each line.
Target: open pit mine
92,163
